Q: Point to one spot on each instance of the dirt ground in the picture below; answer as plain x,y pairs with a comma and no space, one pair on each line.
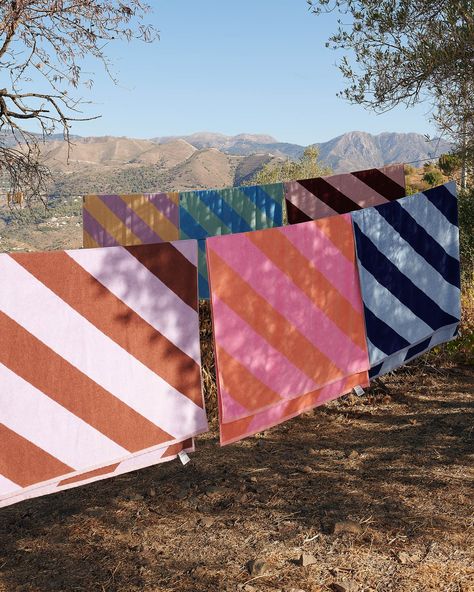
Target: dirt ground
394,468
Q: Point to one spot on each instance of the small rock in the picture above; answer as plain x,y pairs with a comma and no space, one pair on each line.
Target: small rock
306,559
347,527
135,497
345,586
206,521
152,492
354,454
307,469
257,567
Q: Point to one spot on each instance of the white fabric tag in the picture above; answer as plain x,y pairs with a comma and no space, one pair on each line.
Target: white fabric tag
183,457
359,391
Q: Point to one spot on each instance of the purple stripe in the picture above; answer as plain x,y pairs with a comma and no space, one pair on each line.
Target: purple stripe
162,203
130,219
97,231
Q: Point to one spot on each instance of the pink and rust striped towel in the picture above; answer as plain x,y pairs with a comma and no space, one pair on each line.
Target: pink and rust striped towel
312,199
288,322
135,219
99,360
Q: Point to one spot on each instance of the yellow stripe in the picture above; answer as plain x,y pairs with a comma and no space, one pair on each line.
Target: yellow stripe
88,242
155,219
112,224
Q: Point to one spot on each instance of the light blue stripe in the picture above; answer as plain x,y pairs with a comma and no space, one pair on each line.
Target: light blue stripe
432,220
415,267
390,310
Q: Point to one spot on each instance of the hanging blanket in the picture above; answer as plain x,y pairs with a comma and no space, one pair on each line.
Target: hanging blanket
311,199
99,360
288,322
133,463
112,220
226,211
408,255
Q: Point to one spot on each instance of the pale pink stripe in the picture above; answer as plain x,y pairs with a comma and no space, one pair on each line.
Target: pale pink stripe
267,364
47,424
123,275
356,190
187,248
230,407
7,486
396,172
315,246
306,201
78,341
278,413
135,462
277,288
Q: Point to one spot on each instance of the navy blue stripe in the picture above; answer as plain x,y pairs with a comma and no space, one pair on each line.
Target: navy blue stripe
389,276
445,201
418,349
382,335
220,208
422,242
374,371
190,226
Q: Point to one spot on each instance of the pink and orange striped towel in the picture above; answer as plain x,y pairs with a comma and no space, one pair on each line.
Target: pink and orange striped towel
99,364
288,322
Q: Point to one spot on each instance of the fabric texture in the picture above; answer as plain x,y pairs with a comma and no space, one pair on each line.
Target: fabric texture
127,220
133,463
99,360
408,259
288,322
231,210
311,199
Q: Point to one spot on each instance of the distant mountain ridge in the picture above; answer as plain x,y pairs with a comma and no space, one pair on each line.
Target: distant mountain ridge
349,151
110,164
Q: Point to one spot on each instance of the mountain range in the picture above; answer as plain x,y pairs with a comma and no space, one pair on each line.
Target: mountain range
120,164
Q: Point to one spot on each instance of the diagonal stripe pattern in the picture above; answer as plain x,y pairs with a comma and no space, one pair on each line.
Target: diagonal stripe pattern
408,259
99,361
231,210
312,199
133,463
288,321
127,220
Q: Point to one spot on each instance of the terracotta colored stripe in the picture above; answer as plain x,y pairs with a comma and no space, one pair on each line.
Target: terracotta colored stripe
89,475
329,195
243,386
175,449
25,463
295,215
109,314
164,263
269,323
338,229
384,185
62,382
326,297
236,430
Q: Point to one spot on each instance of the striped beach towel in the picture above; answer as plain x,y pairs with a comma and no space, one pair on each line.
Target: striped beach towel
127,220
133,463
288,322
99,361
408,258
311,199
226,211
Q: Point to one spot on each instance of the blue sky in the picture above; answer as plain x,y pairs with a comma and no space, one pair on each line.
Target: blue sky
256,66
